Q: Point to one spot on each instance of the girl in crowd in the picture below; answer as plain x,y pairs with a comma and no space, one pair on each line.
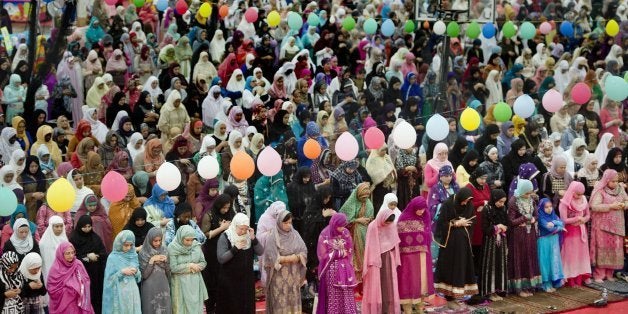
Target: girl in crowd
155,270
68,283
89,250
494,271
122,274
574,212
548,245
186,263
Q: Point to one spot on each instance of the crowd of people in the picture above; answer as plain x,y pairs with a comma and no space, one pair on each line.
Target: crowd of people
519,206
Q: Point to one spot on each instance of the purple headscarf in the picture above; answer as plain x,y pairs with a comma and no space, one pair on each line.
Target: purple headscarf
336,246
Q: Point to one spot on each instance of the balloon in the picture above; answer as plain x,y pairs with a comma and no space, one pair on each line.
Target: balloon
581,93
61,195
370,26
251,14
208,167
8,201
612,28
502,112
470,119
545,28
242,166
348,23
168,176
616,88
437,127
224,11
138,3
295,22
527,30
509,29
313,19
488,30
114,187
273,18
552,100
388,28
374,138
426,25
205,10
409,27
474,30
404,135
524,106
269,161
439,28
161,5
566,28
181,7
453,29
113,2
312,149
346,146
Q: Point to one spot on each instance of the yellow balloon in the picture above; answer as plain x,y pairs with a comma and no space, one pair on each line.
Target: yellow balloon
273,18
205,10
612,28
60,195
470,119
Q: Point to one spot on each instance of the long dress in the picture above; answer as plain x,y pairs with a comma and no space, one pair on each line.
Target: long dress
495,251
575,249
121,293
68,285
187,287
335,272
548,246
355,209
409,182
155,289
523,264
415,276
455,276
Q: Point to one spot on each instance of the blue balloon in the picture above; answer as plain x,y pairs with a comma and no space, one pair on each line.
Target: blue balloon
488,30
388,28
566,28
161,5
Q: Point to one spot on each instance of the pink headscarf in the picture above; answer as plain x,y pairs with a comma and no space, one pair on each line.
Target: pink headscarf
329,238
64,275
266,223
409,66
380,238
116,65
434,162
232,124
608,175
368,123
577,205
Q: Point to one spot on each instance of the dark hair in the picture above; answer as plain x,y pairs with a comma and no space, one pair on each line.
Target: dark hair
288,217
390,218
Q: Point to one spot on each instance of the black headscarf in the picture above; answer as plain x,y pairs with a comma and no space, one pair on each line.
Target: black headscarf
486,139
514,155
610,163
217,216
139,232
475,175
300,195
85,243
494,215
471,155
455,154
181,209
278,128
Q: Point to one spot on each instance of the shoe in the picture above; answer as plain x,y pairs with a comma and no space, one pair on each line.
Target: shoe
611,279
599,280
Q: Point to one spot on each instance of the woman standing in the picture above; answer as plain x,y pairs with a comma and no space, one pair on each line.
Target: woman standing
383,175
481,197
335,272
433,165
549,246
21,241
155,269
381,259
89,249
12,283
186,263
236,283
100,222
285,257
68,283
494,270
409,170
121,293
574,212
556,181
608,204
415,276
343,181
34,289
50,240
523,264
359,211
589,175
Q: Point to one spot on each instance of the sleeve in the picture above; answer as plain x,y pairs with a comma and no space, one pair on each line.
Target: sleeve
597,204
431,176
564,214
223,252
176,267
513,214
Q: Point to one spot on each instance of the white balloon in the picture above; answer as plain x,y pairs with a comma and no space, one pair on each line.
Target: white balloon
439,28
404,135
524,106
347,147
168,176
208,167
269,161
437,128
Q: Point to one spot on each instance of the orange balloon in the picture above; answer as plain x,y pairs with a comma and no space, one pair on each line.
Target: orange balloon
426,25
242,166
312,149
223,11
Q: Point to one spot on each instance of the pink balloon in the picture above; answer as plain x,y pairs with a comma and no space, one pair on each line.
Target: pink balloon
347,147
581,93
269,162
114,186
552,100
545,28
250,15
373,138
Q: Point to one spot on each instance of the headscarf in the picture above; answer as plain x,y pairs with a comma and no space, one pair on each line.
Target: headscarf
577,205
22,246
601,185
136,137
601,151
15,157
380,238
148,250
66,275
345,179
610,160
282,243
152,162
232,124
114,64
50,242
6,148
89,242
206,200
13,185
15,122
558,161
233,137
584,172
545,218
166,206
330,236
379,167
239,219
435,162
414,230
31,261
177,247
523,186
138,232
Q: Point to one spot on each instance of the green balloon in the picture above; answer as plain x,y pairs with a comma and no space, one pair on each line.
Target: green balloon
409,27
453,29
348,23
370,26
312,19
474,30
502,112
139,3
509,29
528,31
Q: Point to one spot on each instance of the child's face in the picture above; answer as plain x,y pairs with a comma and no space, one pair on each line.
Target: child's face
548,208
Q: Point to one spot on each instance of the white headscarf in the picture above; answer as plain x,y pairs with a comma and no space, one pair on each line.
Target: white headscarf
245,139
50,242
116,121
19,56
239,219
80,193
391,198
234,85
211,106
494,88
99,129
217,46
154,92
22,246
602,148
204,69
15,156
11,185
31,261
208,141
137,28
135,137
233,137
6,148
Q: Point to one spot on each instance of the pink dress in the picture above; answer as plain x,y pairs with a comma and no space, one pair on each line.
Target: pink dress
607,229
575,249
606,116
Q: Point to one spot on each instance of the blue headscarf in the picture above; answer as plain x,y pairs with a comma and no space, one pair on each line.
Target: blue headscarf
94,33
118,260
545,218
247,85
411,90
21,209
166,206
